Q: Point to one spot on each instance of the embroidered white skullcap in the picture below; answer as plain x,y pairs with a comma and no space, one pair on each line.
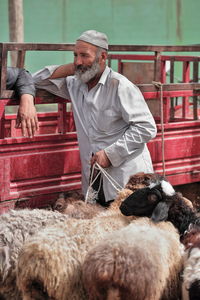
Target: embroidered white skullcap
95,38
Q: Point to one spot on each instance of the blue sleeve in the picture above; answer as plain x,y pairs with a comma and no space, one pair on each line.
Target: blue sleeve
20,80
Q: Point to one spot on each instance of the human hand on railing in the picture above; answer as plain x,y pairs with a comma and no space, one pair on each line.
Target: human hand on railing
27,116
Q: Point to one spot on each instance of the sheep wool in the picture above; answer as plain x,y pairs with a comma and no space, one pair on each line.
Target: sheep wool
142,261
15,227
50,262
191,272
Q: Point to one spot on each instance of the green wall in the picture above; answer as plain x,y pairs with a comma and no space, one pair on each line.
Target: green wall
155,22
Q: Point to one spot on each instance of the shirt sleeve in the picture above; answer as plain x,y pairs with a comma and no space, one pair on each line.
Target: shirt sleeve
20,80
141,125
56,86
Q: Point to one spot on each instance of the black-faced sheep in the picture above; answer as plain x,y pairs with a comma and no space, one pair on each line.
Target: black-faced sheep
142,261
191,273
160,202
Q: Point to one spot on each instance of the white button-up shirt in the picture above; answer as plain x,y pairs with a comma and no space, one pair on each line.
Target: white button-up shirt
113,116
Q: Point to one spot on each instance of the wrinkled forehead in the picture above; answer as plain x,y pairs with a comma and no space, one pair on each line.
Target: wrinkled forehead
84,47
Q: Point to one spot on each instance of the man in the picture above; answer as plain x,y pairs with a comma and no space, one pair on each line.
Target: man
112,119
21,81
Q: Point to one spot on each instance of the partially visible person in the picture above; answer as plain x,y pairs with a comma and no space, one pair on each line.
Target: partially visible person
112,119
21,81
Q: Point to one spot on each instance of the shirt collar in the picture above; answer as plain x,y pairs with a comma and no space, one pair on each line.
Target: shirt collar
104,75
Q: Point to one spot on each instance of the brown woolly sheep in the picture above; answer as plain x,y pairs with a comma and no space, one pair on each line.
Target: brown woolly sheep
73,205
142,261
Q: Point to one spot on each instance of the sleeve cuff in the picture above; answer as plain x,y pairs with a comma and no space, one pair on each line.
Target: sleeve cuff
115,159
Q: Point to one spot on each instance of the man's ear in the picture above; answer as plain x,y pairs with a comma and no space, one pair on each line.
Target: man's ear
104,55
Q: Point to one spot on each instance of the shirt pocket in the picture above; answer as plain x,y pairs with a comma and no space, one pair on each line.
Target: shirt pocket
107,120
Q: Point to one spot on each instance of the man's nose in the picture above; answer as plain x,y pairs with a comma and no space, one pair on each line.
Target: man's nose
78,61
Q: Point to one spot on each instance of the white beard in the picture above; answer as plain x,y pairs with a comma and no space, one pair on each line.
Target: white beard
86,74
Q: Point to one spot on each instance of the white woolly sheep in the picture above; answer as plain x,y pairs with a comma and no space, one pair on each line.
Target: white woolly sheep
15,227
191,273
49,264
142,261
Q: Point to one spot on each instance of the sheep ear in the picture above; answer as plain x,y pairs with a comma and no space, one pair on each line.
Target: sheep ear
160,212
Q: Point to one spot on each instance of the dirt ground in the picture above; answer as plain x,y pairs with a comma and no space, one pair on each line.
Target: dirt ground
190,191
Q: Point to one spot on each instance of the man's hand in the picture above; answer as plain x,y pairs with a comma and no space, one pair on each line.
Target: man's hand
101,158
27,116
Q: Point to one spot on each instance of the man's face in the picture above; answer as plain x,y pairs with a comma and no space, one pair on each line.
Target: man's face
86,61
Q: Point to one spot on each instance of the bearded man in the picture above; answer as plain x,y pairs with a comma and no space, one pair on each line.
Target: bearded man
112,119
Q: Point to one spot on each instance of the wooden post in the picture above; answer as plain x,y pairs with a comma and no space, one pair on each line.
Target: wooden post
16,26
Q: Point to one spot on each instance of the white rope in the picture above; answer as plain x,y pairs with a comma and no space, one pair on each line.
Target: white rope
109,177
91,194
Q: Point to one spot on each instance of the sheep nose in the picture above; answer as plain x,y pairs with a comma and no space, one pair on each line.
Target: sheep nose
125,210
58,207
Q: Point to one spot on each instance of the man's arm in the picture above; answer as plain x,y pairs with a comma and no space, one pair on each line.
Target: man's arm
141,128
63,71
22,82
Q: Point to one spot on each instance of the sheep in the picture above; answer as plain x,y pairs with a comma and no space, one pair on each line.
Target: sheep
15,227
30,279
111,213
27,222
160,202
73,204
49,263
191,273
142,261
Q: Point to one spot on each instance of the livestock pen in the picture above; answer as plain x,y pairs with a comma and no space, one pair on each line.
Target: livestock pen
33,171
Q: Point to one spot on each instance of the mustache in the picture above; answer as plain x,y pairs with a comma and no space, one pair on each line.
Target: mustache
82,69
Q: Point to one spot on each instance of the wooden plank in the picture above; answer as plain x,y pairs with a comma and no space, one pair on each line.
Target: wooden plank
21,59
3,66
195,79
70,47
170,87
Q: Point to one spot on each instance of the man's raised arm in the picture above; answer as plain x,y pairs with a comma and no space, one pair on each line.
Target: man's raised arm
63,71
